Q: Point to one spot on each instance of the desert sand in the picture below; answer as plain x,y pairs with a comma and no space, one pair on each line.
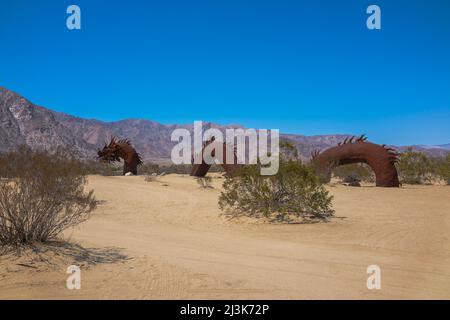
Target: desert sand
167,240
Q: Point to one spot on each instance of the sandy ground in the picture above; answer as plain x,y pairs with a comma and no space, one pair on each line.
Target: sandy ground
167,240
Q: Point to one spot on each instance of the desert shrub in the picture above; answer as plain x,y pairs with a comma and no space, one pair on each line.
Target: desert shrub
187,168
103,169
288,150
294,193
146,169
352,173
151,178
442,168
415,167
116,169
41,194
216,168
205,182
149,168
177,168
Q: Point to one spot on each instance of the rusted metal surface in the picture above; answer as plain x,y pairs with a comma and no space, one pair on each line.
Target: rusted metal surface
201,169
357,150
121,149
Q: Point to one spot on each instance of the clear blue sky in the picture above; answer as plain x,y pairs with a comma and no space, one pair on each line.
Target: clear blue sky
307,67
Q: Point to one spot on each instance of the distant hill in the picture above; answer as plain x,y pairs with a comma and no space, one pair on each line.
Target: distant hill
22,122
440,146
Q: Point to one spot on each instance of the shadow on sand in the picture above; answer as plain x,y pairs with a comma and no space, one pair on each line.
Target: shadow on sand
56,252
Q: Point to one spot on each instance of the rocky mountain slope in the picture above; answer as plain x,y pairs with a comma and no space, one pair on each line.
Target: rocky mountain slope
22,122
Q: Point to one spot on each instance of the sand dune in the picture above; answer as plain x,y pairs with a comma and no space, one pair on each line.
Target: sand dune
166,239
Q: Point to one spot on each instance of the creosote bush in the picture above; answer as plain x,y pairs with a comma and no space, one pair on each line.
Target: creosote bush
354,172
116,169
205,182
442,168
103,169
151,168
415,167
41,194
151,178
294,194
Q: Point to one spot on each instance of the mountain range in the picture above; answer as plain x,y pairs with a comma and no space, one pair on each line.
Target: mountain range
22,122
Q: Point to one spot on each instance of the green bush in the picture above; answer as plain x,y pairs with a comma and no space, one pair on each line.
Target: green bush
205,182
149,168
103,169
442,168
288,151
294,193
354,172
176,168
415,167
